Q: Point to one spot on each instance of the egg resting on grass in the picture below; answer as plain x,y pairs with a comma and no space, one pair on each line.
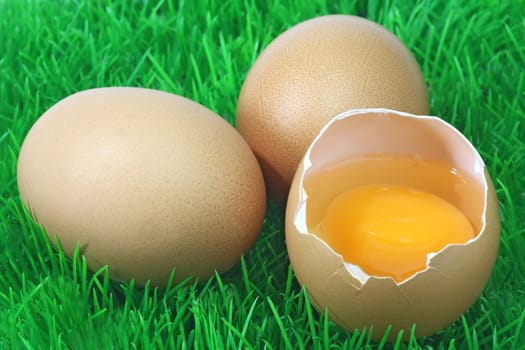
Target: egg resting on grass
314,71
453,277
144,181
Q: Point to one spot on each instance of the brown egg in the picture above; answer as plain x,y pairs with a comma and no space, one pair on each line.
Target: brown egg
313,71
144,181
454,276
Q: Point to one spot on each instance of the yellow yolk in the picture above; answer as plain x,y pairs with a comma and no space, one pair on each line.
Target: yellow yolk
388,230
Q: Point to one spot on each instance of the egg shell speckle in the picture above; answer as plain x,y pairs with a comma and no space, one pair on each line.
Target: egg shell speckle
145,181
455,276
313,71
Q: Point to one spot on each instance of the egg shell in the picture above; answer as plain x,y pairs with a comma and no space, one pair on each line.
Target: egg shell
314,71
144,181
454,277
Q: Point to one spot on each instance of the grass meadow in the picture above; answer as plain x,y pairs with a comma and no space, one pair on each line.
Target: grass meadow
472,54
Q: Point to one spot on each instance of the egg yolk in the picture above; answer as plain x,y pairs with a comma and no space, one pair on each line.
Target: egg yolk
388,230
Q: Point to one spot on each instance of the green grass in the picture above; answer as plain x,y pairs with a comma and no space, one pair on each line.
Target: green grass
472,54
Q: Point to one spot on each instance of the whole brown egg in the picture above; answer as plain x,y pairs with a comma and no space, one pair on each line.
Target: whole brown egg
314,71
145,182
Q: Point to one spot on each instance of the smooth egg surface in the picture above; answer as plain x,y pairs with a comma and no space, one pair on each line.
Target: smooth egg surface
144,181
314,71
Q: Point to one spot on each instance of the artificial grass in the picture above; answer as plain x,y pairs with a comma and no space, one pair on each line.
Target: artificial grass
472,55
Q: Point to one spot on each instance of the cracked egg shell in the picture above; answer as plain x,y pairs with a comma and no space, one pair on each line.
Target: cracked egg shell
144,181
313,71
454,277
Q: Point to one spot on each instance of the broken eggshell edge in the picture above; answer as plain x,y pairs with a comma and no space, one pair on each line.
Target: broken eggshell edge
432,298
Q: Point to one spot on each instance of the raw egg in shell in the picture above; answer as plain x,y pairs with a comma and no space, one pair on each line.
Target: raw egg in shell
392,219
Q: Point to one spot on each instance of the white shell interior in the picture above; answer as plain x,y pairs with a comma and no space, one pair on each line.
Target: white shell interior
381,131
